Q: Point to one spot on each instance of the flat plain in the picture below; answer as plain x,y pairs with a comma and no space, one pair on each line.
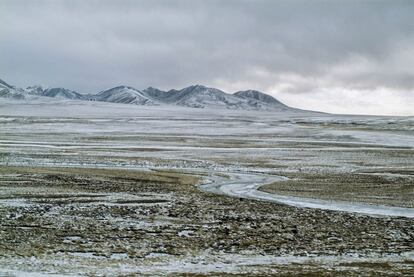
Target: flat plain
90,188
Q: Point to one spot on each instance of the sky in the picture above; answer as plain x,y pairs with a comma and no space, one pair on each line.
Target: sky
332,56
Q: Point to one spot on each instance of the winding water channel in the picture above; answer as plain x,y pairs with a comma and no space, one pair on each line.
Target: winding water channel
246,184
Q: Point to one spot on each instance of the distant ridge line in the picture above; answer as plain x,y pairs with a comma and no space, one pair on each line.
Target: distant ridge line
195,96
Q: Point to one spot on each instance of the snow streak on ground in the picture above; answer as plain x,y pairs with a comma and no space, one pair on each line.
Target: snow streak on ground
245,185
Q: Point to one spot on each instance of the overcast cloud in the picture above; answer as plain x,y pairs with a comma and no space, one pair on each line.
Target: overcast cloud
334,56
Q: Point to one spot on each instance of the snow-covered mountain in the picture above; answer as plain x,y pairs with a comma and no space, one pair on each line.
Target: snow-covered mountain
125,95
8,91
196,96
155,93
200,97
260,100
35,90
55,92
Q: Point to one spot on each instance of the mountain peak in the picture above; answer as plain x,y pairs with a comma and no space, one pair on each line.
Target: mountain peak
61,93
124,94
255,95
122,87
155,93
194,88
151,88
198,86
37,87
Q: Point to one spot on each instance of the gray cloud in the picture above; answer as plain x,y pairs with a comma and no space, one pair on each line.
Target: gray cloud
308,53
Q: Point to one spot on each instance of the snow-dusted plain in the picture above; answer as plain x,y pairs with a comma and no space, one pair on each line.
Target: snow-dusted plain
234,152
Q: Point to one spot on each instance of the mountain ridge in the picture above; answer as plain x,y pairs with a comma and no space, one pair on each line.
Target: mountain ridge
194,96
9,91
54,92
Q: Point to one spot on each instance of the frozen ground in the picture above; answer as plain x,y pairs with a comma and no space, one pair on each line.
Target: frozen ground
360,164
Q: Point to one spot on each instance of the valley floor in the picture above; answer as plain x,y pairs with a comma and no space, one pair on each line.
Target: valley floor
96,188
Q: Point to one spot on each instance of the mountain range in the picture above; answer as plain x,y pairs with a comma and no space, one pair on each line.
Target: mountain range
196,96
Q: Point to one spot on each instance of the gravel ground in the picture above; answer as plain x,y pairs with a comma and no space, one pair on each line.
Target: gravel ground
88,221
